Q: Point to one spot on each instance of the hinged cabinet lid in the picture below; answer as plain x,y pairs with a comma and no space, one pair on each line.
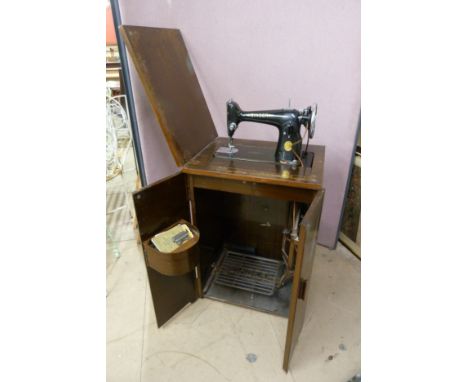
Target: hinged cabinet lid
171,85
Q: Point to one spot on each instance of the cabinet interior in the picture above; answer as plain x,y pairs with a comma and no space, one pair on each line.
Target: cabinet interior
244,232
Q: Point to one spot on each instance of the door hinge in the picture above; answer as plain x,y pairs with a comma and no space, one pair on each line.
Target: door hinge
302,289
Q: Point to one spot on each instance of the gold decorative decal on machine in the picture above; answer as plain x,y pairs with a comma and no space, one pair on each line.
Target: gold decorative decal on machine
288,145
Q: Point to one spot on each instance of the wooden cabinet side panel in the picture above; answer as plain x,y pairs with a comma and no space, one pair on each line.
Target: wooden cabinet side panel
158,206
304,262
170,293
161,204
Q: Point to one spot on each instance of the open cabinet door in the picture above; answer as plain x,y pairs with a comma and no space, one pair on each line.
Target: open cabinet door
157,206
305,257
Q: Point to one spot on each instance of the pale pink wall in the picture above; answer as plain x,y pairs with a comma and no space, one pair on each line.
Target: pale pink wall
261,53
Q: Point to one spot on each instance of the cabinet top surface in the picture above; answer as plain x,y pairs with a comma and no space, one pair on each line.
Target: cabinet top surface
206,164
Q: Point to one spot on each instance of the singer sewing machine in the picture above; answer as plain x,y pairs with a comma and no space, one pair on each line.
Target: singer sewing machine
288,121
255,204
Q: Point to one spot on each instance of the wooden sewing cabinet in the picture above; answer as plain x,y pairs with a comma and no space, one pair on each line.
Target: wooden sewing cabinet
239,206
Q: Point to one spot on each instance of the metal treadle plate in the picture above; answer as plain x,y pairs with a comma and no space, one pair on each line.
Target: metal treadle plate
248,272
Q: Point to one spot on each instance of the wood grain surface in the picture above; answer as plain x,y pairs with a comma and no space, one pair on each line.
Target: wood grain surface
157,206
171,85
308,177
182,260
303,270
161,204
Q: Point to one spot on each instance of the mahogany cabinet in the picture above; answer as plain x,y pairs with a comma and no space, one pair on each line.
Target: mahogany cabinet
244,209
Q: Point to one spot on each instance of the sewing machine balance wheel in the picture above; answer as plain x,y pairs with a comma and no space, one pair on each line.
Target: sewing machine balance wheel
313,117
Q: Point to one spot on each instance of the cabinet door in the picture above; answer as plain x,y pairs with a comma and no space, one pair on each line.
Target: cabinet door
304,261
157,206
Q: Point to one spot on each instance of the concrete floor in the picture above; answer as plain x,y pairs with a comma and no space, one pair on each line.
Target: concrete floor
209,340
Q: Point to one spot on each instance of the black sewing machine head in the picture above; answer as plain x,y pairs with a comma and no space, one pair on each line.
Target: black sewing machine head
288,122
